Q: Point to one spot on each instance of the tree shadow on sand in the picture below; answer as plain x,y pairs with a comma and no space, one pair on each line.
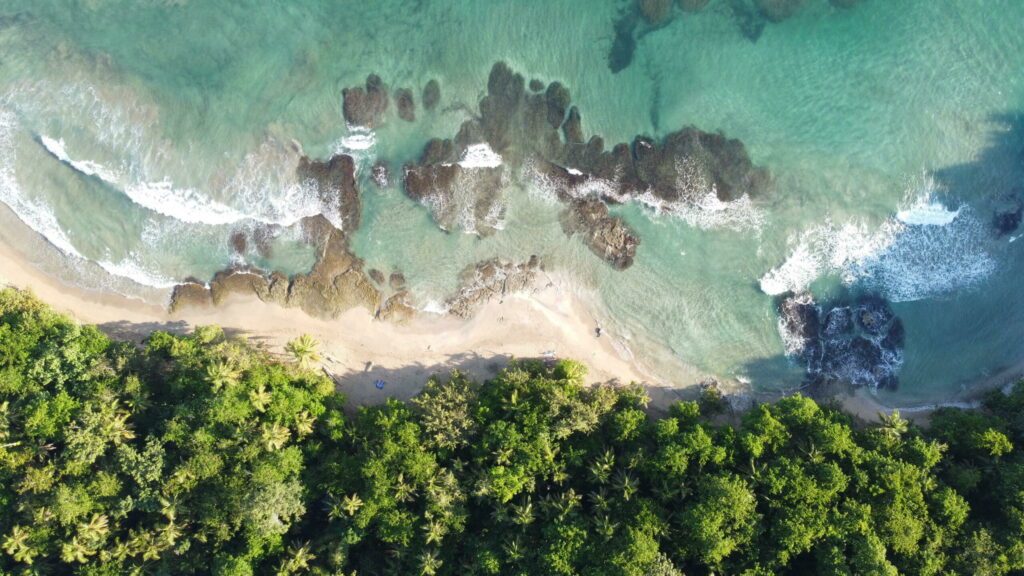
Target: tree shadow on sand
376,384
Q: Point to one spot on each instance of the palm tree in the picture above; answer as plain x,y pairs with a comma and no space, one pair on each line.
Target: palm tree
304,350
625,482
259,398
523,514
221,375
299,559
16,544
893,425
429,563
601,469
75,551
275,436
304,423
435,531
95,530
351,504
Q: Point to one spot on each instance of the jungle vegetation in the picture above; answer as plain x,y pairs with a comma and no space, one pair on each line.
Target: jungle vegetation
203,454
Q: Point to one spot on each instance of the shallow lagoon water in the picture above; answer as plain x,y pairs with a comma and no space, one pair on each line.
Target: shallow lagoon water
862,115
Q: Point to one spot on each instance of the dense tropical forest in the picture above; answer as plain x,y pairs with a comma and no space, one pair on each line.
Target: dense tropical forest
203,454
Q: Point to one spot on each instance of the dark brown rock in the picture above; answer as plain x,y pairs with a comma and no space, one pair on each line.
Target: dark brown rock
377,276
558,99
397,309
573,127
365,105
536,85
490,279
380,175
336,283
431,95
405,104
190,294
607,236
239,242
335,181
238,281
396,281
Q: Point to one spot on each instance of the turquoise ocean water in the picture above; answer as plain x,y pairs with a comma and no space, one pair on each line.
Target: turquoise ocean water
891,129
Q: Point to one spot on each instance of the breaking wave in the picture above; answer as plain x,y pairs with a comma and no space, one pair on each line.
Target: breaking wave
925,250
34,214
480,156
699,205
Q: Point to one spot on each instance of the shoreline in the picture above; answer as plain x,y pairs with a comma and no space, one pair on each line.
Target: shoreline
549,321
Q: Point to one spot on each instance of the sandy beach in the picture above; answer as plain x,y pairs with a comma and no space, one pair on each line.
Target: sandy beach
550,321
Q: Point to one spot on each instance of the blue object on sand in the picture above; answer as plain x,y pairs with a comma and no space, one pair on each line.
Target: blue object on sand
379,384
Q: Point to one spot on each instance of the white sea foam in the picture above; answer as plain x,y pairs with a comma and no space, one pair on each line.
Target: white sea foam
357,140
926,211
699,205
480,156
131,269
89,168
434,307
184,204
33,213
794,343
930,251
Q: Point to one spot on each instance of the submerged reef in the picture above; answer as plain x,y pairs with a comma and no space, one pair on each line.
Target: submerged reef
854,341
533,131
642,17
539,131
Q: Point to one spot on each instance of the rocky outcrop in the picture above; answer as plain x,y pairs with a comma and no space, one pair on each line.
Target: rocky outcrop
396,281
336,183
431,95
337,281
365,105
377,276
1007,214
488,280
397,309
544,129
605,235
190,294
458,197
406,104
857,342
380,175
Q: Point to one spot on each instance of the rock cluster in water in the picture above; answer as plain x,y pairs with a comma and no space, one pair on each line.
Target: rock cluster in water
490,279
366,105
1007,214
859,343
337,281
541,128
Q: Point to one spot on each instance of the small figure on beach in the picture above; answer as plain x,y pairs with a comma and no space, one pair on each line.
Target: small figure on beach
597,331
379,384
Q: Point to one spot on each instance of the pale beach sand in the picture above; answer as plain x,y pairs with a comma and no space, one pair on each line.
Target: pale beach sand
551,321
